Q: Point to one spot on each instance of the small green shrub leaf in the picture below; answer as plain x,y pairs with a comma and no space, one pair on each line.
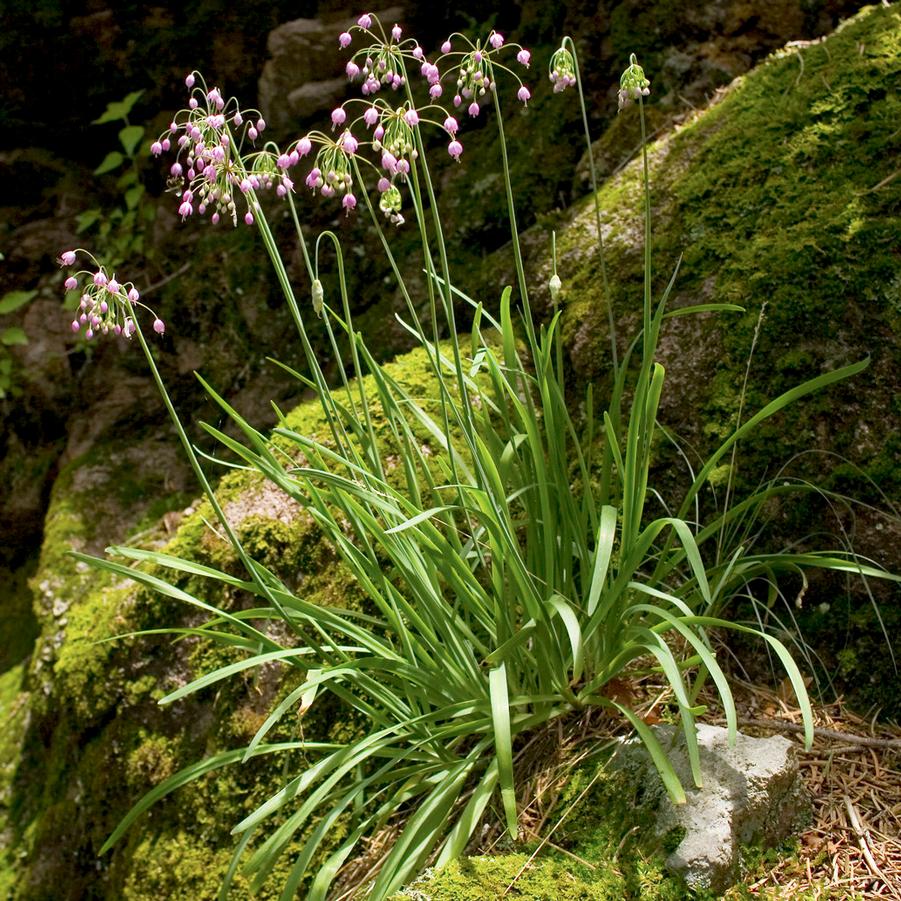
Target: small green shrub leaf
119,109
111,161
14,335
130,137
14,299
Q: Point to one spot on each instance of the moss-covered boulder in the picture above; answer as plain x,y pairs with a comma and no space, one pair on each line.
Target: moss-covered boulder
783,198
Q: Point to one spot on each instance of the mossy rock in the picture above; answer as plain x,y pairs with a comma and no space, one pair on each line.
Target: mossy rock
781,197
92,738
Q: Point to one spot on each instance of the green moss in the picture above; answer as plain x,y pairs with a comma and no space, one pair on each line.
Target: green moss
514,875
13,713
614,856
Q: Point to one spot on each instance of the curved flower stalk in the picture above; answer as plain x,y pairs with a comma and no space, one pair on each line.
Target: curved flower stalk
563,71
504,591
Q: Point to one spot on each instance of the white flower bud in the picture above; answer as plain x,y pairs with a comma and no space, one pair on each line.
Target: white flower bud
317,297
554,286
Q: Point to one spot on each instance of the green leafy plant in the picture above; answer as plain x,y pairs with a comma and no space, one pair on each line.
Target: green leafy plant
10,336
120,232
512,571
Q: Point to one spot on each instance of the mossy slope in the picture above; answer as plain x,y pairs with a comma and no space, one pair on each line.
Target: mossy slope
89,738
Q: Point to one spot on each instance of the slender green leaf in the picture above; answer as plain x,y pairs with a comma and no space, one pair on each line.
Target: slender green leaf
503,744
602,554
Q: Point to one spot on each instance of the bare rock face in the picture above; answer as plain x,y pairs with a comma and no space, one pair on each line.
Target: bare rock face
752,793
304,74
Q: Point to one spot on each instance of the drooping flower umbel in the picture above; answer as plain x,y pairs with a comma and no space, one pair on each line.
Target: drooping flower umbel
212,172
106,305
632,83
562,70
215,171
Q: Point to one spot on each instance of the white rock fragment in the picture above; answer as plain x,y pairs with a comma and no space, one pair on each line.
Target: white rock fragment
752,793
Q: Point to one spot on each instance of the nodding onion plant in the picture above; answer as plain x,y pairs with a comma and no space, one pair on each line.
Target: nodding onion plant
513,573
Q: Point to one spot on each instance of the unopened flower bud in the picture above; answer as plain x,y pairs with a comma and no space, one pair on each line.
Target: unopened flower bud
317,297
159,326
554,286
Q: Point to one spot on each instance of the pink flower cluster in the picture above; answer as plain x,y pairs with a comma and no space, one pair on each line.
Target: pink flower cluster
381,65
209,172
332,173
385,63
106,305
212,175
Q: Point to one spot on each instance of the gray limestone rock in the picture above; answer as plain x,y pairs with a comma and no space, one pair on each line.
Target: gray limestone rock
752,793
304,74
